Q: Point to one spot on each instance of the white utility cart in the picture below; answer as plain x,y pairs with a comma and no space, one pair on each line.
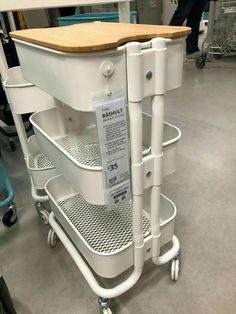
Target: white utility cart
24,97
95,71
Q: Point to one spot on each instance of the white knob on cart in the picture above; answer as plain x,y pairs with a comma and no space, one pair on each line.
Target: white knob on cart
107,68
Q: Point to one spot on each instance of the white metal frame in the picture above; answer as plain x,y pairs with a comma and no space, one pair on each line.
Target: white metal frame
88,274
136,93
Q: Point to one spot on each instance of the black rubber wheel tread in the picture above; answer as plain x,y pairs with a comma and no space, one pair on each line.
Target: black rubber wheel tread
7,218
217,56
200,62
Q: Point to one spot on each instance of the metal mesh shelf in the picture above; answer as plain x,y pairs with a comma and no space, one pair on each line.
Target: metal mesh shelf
41,161
104,237
105,231
83,148
69,138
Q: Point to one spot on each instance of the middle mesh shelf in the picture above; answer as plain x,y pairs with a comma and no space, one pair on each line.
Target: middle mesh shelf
69,139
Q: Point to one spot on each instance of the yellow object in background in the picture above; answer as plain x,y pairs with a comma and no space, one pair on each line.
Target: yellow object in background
21,20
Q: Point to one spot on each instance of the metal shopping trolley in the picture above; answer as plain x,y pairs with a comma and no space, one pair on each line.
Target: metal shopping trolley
108,219
221,33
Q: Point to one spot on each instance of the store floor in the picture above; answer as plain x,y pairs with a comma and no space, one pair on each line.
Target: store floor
44,280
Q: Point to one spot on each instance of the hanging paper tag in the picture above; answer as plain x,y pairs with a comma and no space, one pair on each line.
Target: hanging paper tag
114,149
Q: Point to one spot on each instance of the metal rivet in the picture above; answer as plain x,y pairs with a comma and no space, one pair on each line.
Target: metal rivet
108,91
148,75
148,174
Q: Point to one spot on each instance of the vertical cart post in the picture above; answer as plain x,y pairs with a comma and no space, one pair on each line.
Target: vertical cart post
156,151
134,77
159,47
136,92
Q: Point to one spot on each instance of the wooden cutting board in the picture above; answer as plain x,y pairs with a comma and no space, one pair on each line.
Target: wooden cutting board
96,36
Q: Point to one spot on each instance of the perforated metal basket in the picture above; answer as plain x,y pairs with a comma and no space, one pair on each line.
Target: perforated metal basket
69,138
40,167
103,236
24,97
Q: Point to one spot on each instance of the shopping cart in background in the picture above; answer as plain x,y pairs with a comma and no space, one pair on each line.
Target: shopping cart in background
7,196
221,33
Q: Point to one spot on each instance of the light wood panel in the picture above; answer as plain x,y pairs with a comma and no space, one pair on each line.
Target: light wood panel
96,36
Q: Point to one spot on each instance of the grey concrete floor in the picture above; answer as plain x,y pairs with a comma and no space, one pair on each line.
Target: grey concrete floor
44,280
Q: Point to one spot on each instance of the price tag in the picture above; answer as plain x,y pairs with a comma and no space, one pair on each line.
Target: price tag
114,149
118,194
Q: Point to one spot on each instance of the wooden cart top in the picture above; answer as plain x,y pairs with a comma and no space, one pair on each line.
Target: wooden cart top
96,36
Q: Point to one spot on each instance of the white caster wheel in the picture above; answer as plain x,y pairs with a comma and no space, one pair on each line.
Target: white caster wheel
42,212
174,270
107,311
44,216
52,238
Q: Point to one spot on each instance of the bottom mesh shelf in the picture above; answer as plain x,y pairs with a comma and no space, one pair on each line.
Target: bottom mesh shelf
104,237
105,231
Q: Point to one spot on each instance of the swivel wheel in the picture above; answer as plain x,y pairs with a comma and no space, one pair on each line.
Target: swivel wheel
52,238
10,217
200,62
175,267
104,306
44,216
174,270
42,212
